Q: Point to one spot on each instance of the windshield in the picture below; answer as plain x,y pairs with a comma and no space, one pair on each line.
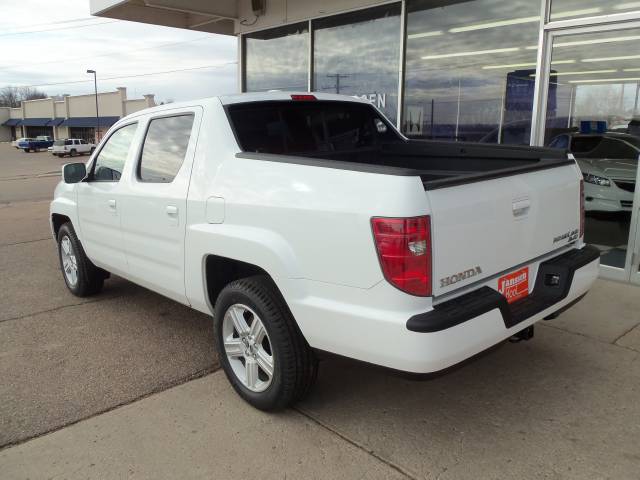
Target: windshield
307,127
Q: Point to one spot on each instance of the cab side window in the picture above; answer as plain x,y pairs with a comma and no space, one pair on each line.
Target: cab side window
110,161
165,146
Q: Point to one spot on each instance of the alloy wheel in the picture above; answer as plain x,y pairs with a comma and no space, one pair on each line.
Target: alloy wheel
69,261
248,348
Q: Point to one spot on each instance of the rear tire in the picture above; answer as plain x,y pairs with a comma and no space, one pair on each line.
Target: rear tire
281,346
73,153
81,276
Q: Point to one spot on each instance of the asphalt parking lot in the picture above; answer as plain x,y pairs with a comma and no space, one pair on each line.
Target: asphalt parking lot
125,384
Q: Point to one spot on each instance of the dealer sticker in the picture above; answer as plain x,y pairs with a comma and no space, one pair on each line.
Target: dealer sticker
515,286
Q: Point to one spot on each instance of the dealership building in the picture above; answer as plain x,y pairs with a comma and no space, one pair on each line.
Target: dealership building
564,73
73,116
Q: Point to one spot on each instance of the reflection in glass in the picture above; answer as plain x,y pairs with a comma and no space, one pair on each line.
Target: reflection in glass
277,59
110,162
359,54
565,9
165,147
469,69
597,118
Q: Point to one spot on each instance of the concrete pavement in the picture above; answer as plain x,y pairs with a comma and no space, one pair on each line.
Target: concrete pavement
197,430
562,406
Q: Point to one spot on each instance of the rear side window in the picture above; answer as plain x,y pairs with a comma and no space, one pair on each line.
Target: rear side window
584,144
164,148
110,161
561,141
307,127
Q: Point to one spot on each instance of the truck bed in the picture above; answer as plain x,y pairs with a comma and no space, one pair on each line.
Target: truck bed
439,164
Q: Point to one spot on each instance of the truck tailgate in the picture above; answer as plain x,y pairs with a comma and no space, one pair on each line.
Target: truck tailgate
487,227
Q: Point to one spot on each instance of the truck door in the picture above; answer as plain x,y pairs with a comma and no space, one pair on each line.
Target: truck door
155,205
99,205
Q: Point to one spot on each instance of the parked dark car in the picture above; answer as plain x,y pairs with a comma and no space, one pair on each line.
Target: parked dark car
40,143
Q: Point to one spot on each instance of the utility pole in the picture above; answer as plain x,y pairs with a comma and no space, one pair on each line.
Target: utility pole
95,86
338,76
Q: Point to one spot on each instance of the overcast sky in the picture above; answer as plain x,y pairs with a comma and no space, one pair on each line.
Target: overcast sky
114,49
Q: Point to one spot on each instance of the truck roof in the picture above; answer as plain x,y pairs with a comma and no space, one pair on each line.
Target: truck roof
246,97
278,95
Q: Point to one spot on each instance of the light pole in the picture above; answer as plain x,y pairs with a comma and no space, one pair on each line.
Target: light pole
95,86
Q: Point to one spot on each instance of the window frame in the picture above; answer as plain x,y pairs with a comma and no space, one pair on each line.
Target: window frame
90,178
138,177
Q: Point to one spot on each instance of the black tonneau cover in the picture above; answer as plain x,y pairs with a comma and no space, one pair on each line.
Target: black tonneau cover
355,136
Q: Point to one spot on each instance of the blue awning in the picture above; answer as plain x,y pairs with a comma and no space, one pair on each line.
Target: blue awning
35,122
55,122
12,122
89,121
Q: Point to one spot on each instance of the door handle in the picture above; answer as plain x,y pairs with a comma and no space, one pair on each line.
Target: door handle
520,207
172,210
112,204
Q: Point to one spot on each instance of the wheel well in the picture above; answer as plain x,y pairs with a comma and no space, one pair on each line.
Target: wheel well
57,221
220,271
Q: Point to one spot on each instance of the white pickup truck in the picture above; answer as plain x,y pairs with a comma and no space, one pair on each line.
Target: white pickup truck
307,224
72,147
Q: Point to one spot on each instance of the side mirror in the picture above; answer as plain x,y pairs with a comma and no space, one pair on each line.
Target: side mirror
74,172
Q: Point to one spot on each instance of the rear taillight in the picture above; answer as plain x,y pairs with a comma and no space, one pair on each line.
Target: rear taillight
404,249
581,208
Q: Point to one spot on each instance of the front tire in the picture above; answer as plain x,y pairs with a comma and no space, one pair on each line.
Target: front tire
265,357
81,276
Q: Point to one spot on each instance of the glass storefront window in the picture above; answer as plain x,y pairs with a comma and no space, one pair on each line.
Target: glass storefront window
566,9
277,59
469,67
358,53
596,116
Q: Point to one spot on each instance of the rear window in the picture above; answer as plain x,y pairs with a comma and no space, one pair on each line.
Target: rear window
307,127
59,143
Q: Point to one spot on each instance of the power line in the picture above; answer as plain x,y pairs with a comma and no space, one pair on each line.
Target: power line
338,77
57,29
68,60
72,20
134,75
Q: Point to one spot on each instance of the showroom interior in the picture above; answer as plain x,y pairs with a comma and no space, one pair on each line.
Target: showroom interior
560,73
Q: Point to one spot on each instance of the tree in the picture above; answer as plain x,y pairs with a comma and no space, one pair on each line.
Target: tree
13,96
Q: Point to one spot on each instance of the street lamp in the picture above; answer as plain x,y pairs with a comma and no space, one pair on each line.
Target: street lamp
95,86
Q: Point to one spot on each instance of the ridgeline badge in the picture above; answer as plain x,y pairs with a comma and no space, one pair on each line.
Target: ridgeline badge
571,236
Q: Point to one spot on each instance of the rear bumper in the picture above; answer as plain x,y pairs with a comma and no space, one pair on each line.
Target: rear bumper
372,326
486,299
494,320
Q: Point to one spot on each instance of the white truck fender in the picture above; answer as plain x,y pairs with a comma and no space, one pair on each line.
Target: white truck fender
256,246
